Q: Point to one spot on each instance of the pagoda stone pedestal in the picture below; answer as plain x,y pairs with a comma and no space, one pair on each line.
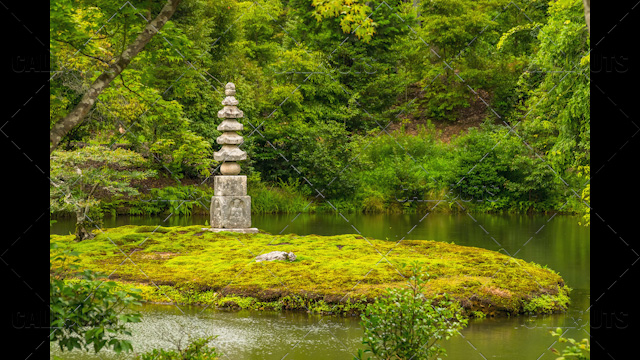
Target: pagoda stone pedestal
230,204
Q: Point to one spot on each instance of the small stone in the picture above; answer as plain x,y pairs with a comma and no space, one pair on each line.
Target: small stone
276,255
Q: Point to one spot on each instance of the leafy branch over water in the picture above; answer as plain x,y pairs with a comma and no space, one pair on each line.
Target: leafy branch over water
85,311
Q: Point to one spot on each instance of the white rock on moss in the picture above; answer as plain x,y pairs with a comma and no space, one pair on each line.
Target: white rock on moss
276,255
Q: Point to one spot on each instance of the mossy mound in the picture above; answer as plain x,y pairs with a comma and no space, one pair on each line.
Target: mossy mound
331,273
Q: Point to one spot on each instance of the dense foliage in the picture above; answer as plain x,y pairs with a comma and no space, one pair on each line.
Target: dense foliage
345,98
76,177
87,312
579,350
198,349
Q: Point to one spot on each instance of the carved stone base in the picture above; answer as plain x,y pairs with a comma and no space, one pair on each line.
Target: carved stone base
230,212
244,231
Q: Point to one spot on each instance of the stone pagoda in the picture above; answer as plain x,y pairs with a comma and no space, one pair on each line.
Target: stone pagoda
230,205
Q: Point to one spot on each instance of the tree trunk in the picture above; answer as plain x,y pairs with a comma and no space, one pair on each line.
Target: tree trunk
77,115
587,13
83,230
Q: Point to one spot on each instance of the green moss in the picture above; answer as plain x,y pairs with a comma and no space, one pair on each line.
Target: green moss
152,229
547,304
477,314
191,266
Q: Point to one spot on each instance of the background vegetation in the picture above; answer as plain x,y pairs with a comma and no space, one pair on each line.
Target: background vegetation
454,100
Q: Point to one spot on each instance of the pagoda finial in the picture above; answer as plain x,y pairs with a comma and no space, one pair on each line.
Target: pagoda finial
230,89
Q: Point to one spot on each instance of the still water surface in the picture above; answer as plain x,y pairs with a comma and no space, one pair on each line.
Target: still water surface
557,242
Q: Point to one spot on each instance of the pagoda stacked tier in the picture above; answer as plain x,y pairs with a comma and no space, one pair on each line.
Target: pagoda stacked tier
230,153
230,204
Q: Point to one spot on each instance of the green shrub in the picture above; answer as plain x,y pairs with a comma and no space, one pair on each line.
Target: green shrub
578,350
404,324
285,197
87,312
78,176
547,304
197,350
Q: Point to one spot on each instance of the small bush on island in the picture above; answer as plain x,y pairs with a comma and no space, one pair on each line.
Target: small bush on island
404,324
77,178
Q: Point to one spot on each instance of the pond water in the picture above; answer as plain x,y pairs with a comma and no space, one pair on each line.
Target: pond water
555,241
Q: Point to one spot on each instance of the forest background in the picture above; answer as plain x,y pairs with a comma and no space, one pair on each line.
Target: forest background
384,106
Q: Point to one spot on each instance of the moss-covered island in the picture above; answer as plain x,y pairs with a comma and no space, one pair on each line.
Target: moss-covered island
331,274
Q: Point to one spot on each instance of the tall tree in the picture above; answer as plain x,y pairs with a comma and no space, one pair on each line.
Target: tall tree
77,115
587,13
